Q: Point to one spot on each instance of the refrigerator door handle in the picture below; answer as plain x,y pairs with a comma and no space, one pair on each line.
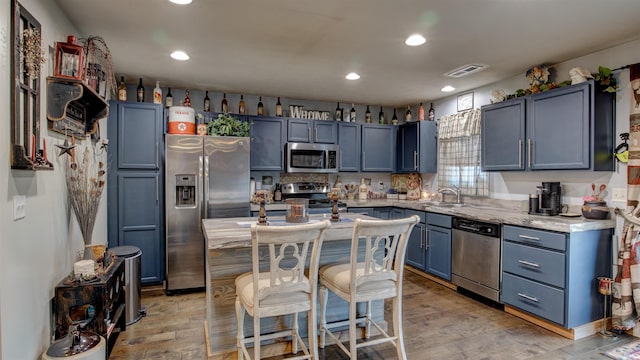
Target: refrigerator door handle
204,170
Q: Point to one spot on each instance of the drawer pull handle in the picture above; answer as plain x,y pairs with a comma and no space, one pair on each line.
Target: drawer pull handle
526,237
528,297
523,262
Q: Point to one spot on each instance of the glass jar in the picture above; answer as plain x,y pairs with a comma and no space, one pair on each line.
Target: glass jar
297,210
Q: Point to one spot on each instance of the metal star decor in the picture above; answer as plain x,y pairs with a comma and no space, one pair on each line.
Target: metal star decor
66,148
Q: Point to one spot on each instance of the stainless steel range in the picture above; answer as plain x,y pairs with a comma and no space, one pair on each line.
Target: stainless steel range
316,193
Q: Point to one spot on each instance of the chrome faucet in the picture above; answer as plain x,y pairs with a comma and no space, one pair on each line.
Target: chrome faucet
454,190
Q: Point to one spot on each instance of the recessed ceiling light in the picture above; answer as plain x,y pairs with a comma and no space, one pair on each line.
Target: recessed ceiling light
181,2
448,88
352,76
415,40
180,55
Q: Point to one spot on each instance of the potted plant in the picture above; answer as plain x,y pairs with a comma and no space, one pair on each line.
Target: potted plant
227,125
604,78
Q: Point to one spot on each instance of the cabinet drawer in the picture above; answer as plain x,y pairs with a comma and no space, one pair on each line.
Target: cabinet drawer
535,237
439,220
421,214
535,298
534,263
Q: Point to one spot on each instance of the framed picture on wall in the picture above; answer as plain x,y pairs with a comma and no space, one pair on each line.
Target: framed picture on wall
465,101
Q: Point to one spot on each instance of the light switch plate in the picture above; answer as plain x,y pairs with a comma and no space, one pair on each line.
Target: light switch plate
619,195
19,207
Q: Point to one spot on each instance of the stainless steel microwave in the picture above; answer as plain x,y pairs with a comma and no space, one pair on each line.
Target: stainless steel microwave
311,158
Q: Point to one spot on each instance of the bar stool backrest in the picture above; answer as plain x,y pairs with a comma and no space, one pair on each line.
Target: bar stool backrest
288,248
385,247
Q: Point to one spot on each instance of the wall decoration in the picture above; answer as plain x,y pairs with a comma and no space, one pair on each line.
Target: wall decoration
465,101
27,148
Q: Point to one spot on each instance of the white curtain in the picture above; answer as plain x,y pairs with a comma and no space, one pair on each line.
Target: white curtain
459,153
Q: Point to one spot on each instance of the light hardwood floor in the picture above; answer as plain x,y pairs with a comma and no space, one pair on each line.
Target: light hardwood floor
438,322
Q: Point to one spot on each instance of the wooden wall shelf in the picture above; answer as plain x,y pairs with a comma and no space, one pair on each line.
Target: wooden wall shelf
73,107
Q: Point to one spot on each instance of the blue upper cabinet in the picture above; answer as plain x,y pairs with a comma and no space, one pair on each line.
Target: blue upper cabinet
503,135
267,143
312,131
139,134
561,129
350,146
417,147
378,148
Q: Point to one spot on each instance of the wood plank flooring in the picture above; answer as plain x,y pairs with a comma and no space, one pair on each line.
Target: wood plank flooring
438,323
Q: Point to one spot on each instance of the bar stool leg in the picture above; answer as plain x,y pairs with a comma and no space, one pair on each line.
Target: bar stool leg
353,350
240,337
397,327
294,333
313,332
324,293
256,334
367,324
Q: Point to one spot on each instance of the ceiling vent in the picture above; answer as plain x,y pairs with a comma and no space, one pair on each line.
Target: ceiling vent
465,70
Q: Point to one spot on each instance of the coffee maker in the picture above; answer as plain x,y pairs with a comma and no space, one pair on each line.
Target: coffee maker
547,200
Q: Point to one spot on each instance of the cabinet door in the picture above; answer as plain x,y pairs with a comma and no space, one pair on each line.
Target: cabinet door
349,145
408,148
397,213
378,148
299,130
325,132
382,213
558,128
139,218
139,135
267,143
439,251
362,210
503,134
416,247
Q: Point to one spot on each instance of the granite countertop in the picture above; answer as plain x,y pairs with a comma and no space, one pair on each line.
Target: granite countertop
509,214
224,233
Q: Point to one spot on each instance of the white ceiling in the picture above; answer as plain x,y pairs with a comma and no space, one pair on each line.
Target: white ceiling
302,49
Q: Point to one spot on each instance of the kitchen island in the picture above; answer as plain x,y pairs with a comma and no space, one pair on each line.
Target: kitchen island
228,243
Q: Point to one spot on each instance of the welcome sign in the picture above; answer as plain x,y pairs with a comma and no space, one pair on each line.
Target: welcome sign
297,112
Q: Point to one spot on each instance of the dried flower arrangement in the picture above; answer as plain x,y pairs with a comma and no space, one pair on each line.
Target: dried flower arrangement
85,182
31,53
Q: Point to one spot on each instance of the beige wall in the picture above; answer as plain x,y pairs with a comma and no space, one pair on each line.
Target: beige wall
38,251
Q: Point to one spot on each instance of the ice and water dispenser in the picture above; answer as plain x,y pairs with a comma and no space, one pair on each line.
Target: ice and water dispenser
185,190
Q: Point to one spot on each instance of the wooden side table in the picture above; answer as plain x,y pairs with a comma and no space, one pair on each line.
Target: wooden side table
105,294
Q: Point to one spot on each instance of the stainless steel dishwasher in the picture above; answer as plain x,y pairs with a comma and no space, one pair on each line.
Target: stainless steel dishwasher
475,257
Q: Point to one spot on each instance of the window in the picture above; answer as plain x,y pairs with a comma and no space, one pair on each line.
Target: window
459,154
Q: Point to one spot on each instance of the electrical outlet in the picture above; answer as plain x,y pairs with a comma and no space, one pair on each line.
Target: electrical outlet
19,207
619,195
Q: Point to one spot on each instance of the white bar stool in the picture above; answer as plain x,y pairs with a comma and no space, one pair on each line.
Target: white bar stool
284,289
379,277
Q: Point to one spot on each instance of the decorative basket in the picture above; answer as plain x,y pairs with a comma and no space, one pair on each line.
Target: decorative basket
597,210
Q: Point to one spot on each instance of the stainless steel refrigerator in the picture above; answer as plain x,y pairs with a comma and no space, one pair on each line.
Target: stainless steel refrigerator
205,177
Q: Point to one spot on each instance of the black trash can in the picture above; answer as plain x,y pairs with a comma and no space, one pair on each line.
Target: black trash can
132,256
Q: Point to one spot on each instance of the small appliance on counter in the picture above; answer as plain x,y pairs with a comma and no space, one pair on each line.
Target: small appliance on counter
547,200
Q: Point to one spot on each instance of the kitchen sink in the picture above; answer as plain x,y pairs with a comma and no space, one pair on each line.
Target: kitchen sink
444,204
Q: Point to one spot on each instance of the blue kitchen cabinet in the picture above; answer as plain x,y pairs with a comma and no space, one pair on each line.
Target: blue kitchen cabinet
503,135
135,183
362,210
378,148
312,131
349,143
561,129
417,147
552,275
267,143
416,244
438,245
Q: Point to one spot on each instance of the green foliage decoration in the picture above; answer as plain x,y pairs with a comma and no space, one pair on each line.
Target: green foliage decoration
227,125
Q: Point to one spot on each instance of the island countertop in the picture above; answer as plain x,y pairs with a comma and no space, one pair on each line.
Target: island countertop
236,232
